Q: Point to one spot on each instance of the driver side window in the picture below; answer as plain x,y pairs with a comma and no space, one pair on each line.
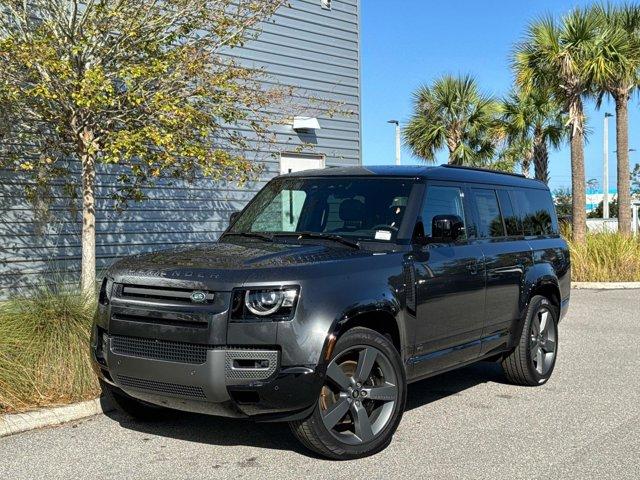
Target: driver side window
441,200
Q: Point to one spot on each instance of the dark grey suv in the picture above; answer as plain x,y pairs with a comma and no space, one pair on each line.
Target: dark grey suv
330,292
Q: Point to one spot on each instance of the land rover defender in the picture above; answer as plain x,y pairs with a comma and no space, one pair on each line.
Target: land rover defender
330,292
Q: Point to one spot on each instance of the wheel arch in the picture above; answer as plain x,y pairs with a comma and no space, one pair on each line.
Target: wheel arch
548,289
382,321
382,318
541,280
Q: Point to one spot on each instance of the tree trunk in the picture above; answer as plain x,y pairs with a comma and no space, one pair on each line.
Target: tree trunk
541,159
579,203
525,165
451,146
88,272
41,201
622,155
454,140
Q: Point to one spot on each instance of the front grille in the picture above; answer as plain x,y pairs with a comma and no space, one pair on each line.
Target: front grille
159,349
163,294
162,387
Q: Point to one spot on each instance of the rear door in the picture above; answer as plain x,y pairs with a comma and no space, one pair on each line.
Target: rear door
449,288
507,256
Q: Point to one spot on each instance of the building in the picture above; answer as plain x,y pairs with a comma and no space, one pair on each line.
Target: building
310,44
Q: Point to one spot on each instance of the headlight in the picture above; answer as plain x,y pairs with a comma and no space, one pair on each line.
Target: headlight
267,303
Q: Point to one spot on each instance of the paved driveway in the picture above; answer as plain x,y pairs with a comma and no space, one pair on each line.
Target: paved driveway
585,423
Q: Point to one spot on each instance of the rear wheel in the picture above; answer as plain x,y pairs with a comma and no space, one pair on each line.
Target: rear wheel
534,358
130,406
362,400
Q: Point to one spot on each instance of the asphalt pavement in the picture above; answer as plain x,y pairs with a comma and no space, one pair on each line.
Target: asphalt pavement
584,423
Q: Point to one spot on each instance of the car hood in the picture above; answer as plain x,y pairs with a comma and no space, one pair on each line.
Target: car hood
227,261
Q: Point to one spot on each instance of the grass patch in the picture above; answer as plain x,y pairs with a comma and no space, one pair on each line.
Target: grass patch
44,350
606,257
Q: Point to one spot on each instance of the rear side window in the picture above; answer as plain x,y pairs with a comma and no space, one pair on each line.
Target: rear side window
535,211
489,218
511,221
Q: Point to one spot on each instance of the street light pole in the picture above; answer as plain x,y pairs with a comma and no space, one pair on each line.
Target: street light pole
605,167
397,124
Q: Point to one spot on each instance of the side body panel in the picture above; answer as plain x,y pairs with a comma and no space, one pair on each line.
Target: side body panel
506,262
450,297
450,307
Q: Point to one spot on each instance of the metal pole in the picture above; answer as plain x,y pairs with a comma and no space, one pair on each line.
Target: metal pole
397,124
605,168
397,144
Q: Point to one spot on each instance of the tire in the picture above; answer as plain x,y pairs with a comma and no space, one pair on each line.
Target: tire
532,361
362,401
132,407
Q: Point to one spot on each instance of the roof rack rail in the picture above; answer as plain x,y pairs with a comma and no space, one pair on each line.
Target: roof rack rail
479,169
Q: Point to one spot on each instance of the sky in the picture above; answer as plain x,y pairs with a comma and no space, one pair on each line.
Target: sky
406,43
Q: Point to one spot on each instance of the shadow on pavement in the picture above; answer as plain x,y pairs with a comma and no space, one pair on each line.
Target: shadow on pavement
232,432
453,383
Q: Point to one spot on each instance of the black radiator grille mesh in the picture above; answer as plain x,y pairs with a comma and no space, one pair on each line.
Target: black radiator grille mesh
162,387
159,349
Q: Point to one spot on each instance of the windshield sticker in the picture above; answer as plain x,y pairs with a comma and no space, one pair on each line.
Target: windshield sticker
383,235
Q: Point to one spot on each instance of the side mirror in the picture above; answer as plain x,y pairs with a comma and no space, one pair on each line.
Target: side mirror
447,228
233,217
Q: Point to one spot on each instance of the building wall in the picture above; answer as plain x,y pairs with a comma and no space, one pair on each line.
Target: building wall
303,45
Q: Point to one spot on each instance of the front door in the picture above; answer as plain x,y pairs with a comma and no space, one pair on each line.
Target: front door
450,289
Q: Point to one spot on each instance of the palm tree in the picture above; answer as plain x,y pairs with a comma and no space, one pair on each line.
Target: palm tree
615,66
452,113
555,56
531,123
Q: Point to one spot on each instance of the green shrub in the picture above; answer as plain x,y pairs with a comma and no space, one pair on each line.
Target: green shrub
44,350
606,257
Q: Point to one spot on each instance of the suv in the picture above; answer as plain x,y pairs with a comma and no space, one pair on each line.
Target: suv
330,292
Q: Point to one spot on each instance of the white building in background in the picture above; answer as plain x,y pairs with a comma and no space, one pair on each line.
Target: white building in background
310,45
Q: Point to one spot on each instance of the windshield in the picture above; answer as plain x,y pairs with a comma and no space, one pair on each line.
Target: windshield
357,208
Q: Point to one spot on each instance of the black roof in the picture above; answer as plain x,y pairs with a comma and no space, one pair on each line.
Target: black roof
443,172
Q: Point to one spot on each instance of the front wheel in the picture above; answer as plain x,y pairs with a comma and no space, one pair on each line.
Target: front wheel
362,400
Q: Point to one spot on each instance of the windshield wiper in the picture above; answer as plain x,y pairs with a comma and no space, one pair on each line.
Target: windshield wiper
322,236
261,236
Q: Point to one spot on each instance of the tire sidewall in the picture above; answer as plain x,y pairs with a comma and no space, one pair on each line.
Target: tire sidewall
534,307
362,336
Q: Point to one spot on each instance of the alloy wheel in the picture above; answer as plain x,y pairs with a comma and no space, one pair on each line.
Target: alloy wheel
359,396
543,341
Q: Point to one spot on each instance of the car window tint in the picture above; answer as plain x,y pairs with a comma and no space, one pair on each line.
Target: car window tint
536,212
362,208
282,213
489,218
441,201
511,220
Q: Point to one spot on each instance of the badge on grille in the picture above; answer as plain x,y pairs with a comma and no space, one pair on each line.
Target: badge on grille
198,297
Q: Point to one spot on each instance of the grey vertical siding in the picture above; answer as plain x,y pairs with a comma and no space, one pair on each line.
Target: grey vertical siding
303,45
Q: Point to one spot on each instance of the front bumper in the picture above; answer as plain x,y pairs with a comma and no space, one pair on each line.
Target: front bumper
232,382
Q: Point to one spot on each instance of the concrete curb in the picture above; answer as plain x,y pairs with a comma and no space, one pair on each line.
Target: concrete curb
46,417
605,285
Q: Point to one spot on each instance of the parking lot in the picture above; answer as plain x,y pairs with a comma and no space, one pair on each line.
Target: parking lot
585,423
